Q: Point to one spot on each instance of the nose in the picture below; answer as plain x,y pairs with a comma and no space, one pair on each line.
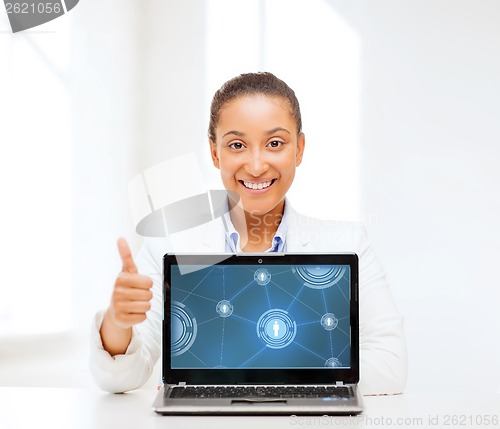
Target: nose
257,163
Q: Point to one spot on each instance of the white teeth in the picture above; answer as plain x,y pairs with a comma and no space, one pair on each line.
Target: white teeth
261,185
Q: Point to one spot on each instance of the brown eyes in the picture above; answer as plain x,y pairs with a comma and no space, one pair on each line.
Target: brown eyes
275,143
236,145
272,144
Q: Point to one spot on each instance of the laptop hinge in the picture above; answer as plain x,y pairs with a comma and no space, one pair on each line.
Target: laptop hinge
182,383
339,383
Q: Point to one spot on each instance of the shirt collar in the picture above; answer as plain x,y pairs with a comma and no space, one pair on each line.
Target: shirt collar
233,236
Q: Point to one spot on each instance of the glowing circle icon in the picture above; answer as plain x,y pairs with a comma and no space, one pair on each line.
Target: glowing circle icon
329,321
224,308
262,276
276,328
183,329
320,276
333,363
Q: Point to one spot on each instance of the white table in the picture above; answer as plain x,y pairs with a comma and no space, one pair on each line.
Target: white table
22,407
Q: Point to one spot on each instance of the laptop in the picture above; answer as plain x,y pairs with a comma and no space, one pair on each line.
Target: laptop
273,333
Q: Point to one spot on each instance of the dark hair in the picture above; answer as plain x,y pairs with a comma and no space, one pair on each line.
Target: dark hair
249,84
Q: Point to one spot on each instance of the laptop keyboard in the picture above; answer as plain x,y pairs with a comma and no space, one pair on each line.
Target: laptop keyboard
212,392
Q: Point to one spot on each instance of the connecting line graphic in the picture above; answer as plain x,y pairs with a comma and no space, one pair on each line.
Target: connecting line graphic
303,303
222,340
255,355
310,351
340,289
201,281
242,290
296,297
307,323
324,300
223,283
194,294
204,364
209,320
341,330
268,299
280,272
242,318
342,351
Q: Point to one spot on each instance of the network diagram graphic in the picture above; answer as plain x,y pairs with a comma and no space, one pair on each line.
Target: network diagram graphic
253,316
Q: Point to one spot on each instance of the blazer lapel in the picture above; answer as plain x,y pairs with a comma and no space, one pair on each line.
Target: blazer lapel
214,238
211,237
297,237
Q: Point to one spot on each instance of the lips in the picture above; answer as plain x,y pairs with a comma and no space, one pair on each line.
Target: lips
257,186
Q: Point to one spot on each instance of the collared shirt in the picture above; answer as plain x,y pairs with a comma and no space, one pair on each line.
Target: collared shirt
233,237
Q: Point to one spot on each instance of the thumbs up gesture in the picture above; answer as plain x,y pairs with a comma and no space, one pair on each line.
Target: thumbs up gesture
129,303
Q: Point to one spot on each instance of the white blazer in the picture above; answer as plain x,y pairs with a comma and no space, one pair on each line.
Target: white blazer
383,361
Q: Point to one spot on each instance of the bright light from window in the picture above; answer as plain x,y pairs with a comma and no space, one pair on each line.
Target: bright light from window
35,179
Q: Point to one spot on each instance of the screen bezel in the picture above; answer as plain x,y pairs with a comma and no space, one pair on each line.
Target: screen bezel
255,375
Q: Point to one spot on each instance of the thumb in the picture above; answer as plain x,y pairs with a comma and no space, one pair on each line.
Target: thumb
126,256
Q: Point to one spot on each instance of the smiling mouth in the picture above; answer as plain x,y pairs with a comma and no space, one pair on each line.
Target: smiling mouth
257,186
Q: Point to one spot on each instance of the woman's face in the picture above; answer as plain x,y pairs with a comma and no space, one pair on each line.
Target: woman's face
257,149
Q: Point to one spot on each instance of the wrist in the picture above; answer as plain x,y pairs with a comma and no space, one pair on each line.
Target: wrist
115,338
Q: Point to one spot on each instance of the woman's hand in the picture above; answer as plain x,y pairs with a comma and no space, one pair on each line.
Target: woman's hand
129,303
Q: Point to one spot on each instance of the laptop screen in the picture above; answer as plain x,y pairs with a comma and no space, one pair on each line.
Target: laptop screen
251,312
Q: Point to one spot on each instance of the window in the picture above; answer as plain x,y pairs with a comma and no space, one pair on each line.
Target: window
35,178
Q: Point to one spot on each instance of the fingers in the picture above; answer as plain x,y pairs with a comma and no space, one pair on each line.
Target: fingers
131,295
129,303
137,281
126,256
132,307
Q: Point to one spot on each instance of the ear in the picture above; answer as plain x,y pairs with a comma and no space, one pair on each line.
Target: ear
213,153
301,142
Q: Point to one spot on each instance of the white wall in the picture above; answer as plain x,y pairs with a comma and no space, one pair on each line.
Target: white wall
430,147
105,90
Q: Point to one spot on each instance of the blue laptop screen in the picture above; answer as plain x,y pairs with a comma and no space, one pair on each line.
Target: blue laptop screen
260,316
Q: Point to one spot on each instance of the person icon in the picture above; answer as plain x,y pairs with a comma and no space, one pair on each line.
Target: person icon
224,308
262,276
276,328
329,321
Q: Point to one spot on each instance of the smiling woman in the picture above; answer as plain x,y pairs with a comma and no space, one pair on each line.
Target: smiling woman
256,142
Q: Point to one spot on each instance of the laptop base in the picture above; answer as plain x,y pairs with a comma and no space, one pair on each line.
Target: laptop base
251,406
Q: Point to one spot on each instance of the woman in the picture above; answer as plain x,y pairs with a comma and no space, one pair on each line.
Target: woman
256,142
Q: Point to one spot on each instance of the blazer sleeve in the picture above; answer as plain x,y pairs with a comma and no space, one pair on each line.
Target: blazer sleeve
383,356
131,370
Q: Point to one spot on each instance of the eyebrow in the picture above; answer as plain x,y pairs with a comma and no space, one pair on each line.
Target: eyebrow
275,130
234,132
240,134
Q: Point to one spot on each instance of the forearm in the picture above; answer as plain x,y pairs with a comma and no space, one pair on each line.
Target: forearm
383,357
115,340
122,372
